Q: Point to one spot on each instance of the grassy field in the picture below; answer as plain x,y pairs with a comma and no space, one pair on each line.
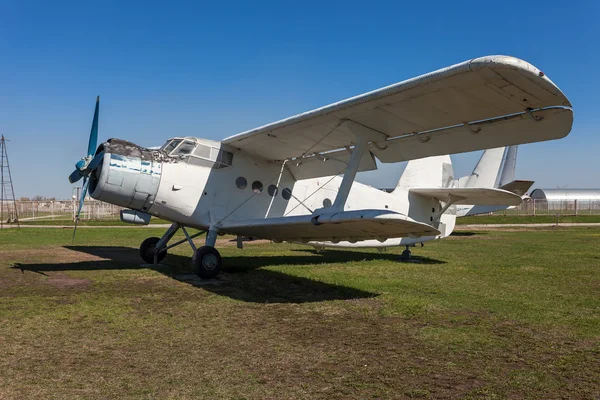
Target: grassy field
527,219
489,314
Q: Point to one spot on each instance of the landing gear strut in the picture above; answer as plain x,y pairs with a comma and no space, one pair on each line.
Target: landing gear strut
405,255
206,261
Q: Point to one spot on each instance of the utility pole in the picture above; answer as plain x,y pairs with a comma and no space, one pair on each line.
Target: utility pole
7,193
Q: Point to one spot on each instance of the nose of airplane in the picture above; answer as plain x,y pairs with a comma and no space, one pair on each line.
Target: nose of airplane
128,175
118,172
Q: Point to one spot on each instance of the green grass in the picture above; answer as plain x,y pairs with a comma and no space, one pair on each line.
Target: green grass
496,314
527,219
478,219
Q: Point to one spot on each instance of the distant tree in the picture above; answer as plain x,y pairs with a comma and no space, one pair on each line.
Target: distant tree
38,198
23,198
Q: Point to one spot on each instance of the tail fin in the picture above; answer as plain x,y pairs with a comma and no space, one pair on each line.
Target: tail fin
426,172
510,164
487,171
430,172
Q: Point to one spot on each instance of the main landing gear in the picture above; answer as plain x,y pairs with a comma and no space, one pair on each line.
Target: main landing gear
206,261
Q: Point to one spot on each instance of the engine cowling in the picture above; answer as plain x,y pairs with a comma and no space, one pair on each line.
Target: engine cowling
129,175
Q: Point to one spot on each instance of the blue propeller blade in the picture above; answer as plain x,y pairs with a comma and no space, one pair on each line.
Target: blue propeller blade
84,189
95,161
93,143
75,176
81,169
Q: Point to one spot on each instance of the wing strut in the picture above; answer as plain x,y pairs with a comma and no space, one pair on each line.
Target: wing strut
363,135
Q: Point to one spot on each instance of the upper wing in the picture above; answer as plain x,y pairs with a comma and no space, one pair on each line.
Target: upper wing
337,226
483,103
472,196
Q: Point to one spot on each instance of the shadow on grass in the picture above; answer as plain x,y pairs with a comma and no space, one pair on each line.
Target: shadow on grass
242,277
464,233
337,256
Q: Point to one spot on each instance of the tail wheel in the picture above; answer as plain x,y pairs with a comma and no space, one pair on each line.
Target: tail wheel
405,255
207,262
148,248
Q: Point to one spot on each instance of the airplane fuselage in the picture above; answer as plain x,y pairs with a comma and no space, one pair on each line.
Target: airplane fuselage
215,183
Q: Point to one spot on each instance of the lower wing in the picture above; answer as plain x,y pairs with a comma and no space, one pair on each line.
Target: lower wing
335,226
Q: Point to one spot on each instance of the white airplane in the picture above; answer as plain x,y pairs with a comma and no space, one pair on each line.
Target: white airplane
495,169
250,184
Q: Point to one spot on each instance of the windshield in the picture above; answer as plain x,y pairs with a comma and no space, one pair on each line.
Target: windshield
184,148
169,146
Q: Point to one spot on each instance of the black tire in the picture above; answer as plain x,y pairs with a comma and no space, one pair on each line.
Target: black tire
147,250
207,262
405,255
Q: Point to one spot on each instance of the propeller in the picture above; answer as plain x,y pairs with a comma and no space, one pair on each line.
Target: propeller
82,167
85,166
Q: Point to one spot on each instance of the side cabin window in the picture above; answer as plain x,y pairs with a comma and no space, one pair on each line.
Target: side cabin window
223,158
202,151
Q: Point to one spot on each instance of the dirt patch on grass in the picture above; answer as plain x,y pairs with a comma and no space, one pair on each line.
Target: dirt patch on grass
233,242
509,228
62,281
54,254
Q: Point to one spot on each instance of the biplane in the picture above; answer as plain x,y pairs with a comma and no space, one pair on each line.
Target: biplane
254,183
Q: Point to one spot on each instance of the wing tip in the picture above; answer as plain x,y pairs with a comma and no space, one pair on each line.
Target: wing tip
515,63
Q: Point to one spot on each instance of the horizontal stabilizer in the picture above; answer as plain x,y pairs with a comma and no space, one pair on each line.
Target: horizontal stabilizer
471,196
331,226
518,187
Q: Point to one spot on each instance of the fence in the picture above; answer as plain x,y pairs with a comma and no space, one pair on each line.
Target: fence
553,207
59,210
93,209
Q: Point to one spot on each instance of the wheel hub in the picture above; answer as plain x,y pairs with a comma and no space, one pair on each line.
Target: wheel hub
209,261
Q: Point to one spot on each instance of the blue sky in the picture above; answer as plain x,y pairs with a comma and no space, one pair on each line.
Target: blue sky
212,70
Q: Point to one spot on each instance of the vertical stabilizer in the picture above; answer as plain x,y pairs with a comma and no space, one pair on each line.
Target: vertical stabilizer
430,172
487,171
510,164
433,173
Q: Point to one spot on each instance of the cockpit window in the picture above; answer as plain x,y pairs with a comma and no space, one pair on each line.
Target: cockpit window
197,152
170,146
225,158
184,148
202,151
